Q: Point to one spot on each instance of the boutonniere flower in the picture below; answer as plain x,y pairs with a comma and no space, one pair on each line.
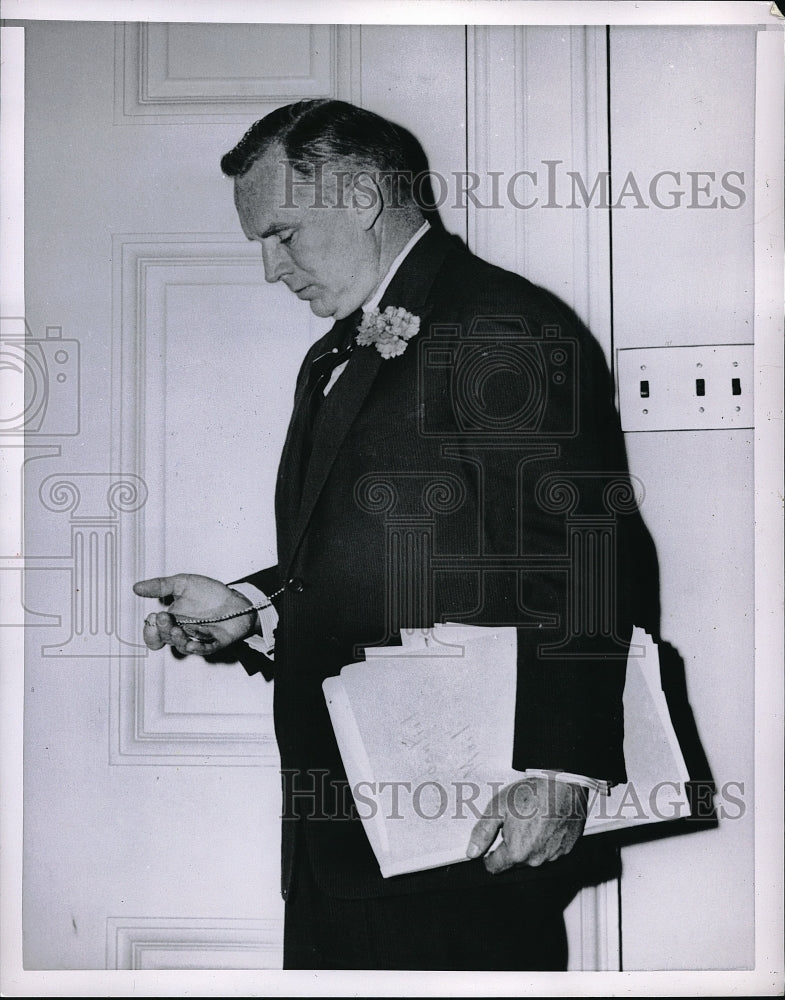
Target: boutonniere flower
389,332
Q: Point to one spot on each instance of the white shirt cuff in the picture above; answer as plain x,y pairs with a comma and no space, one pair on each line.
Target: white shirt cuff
593,784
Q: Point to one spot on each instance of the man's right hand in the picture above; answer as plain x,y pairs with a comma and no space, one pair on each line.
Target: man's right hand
195,596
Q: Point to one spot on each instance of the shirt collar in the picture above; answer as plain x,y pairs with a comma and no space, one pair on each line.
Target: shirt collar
376,298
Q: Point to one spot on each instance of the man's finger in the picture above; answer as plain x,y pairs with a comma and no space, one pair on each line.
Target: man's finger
170,631
151,635
200,647
498,860
158,586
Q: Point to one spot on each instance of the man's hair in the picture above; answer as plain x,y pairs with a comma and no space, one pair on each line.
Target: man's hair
326,132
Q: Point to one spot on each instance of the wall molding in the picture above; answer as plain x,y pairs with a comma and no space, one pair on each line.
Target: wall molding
158,943
567,250
149,89
145,728
591,259
142,731
592,921
493,81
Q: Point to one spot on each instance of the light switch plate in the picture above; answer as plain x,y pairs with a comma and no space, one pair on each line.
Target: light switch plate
706,387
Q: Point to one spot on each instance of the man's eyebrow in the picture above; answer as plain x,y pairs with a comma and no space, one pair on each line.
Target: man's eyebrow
276,227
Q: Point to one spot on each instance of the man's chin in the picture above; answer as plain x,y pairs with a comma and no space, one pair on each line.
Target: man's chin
318,308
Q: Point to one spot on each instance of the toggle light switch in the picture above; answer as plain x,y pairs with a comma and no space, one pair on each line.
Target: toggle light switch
685,388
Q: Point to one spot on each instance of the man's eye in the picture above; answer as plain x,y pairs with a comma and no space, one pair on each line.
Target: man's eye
286,239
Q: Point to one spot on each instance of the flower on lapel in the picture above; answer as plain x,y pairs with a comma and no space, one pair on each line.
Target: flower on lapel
389,332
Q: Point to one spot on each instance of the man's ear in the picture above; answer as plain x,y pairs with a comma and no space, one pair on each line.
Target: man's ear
365,197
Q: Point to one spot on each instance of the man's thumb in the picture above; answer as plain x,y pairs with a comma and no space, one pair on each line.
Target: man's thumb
483,834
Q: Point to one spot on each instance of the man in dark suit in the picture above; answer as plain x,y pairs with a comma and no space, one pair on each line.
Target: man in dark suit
453,455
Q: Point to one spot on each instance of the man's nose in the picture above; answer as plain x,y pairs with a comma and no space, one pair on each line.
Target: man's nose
274,260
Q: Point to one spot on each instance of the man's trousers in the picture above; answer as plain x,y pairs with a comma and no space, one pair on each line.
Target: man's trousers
514,926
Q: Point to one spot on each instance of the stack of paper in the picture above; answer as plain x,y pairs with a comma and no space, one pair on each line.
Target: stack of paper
425,731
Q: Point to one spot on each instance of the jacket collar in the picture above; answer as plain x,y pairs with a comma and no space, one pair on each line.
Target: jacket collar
411,283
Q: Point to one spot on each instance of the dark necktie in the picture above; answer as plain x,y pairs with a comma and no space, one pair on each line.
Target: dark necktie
321,370
323,367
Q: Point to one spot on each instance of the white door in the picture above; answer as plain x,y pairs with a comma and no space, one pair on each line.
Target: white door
151,784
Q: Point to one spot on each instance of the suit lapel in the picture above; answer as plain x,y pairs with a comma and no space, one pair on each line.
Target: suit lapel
336,416
288,488
289,485
409,288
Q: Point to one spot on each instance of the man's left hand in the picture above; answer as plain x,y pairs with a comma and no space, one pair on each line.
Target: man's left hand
540,819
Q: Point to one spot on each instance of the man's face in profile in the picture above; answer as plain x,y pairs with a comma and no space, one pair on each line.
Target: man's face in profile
311,240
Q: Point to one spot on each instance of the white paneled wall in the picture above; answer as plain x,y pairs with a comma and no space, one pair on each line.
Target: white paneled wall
685,276
151,784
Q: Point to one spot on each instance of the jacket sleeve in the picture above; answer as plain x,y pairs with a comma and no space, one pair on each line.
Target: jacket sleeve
254,661
551,497
578,509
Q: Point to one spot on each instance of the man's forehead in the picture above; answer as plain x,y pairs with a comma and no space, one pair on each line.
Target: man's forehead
273,190
264,177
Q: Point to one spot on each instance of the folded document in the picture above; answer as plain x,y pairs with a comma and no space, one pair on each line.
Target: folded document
425,732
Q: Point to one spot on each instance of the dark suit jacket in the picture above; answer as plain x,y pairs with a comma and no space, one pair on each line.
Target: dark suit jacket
459,481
